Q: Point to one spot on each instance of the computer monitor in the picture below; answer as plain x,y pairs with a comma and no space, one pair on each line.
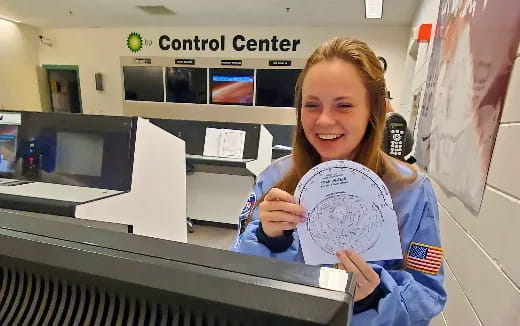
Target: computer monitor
76,149
186,85
8,143
143,83
275,87
232,86
56,273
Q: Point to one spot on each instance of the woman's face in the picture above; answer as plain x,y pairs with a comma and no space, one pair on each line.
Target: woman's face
335,110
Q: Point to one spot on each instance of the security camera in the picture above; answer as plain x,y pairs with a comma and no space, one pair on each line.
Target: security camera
45,40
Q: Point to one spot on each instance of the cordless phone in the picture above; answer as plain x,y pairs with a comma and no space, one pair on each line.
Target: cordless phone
395,136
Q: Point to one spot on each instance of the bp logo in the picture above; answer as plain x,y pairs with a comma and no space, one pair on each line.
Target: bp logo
134,42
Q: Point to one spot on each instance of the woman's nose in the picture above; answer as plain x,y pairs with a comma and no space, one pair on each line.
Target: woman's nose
326,118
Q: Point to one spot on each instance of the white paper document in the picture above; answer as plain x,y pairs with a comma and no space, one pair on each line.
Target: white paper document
348,207
224,143
211,142
232,143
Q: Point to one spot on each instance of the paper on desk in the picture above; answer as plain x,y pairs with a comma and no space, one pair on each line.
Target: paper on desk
212,142
224,143
348,207
232,143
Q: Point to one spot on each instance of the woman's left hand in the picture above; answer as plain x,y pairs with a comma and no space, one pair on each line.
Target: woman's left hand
367,279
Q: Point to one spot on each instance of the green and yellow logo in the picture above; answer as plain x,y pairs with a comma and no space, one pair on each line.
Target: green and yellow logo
134,42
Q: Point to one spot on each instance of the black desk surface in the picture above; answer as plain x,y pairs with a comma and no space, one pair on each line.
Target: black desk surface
197,163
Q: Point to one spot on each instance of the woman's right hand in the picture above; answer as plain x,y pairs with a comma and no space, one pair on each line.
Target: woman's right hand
279,212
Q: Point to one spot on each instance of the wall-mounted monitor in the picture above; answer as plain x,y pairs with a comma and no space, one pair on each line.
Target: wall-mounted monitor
8,143
143,83
232,86
186,85
275,87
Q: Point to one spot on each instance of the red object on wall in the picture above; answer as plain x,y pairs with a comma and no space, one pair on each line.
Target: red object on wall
425,32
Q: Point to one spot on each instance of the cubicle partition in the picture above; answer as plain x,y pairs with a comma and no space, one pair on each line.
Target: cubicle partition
102,168
222,184
282,139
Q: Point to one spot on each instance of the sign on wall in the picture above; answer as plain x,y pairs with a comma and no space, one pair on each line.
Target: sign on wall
239,43
473,53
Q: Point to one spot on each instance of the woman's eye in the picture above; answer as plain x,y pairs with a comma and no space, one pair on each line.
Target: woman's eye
311,105
344,105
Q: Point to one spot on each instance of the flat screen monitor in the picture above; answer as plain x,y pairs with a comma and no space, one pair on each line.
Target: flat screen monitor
143,83
57,273
186,85
275,87
232,86
76,149
8,143
79,153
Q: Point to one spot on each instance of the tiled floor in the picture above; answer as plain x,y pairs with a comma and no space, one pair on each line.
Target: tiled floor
211,236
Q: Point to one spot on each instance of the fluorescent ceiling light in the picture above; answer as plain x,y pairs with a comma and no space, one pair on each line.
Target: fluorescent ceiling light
10,20
373,9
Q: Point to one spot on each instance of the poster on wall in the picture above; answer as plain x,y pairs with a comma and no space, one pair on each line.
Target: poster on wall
474,48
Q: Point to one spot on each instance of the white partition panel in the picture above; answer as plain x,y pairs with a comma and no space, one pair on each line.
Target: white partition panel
156,204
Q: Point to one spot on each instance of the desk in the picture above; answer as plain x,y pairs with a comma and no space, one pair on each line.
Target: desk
218,165
48,198
217,188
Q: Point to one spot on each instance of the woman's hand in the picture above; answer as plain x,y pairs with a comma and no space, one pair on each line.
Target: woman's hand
367,279
279,212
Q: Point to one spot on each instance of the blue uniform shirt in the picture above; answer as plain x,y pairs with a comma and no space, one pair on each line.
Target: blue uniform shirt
409,296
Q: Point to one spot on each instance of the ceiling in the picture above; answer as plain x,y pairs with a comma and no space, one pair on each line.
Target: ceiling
123,13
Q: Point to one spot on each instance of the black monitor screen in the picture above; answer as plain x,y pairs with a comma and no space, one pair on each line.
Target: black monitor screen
80,150
186,85
144,84
275,87
8,138
232,86
79,153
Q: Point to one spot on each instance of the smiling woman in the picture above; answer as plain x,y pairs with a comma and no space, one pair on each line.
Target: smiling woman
340,102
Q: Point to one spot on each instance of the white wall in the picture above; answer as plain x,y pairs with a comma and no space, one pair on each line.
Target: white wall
417,56
99,50
481,251
18,67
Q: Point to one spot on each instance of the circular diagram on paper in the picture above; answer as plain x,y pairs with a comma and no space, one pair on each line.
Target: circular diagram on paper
345,221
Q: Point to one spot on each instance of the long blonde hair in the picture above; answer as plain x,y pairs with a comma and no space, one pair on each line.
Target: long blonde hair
370,154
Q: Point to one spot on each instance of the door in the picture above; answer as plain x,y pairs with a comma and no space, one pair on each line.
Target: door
64,88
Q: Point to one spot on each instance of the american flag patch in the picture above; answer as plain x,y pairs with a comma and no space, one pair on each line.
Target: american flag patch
424,258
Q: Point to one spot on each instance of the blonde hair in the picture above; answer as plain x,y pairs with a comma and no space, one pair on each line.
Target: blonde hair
370,154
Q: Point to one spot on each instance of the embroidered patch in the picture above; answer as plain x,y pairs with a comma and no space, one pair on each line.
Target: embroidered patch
251,201
424,258
246,211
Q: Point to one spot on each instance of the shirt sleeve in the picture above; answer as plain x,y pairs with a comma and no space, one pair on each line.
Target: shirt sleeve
248,243
415,294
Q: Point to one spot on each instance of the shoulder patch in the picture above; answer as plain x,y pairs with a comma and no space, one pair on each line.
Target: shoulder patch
246,211
424,258
250,204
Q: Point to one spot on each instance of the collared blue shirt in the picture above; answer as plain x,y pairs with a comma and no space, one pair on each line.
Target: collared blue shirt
410,297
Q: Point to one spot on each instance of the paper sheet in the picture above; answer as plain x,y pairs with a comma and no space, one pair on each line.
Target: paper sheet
232,143
224,143
348,207
212,142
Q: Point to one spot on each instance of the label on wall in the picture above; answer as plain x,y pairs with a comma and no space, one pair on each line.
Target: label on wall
231,62
184,61
280,63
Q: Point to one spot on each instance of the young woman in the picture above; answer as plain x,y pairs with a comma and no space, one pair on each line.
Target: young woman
340,102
